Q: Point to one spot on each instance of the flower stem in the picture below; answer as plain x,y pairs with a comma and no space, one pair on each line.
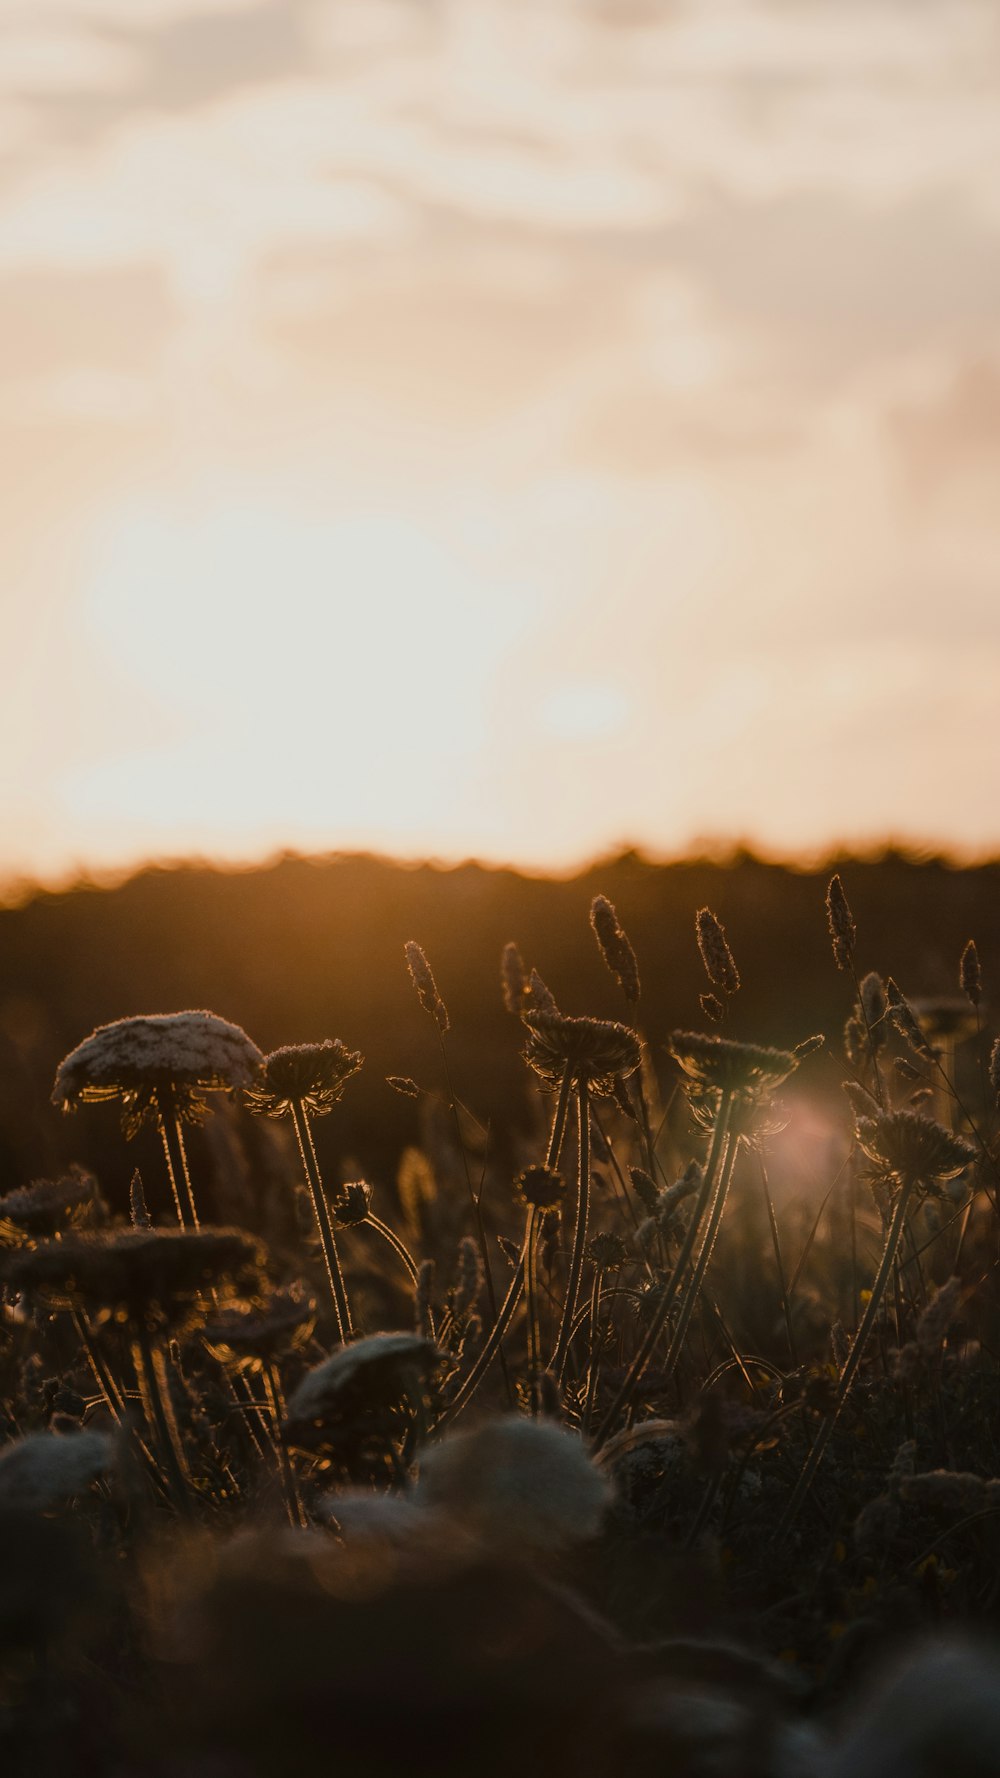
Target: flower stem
513,1297
634,1374
276,1407
151,1376
177,1167
531,1305
855,1355
310,1167
559,1357
692,1292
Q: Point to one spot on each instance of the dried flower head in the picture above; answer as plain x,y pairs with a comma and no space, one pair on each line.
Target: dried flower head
913,1148
513,978
352,1203
843,931
540,997
596,1051
248,1337
905,1020
422,978
615,948
46,1205
748,1071
158,1276
403,1085
608,1251
469,1277
720,965
184,1053
310,1075
516,1483
374,1372
46,1469
541,1188
970,975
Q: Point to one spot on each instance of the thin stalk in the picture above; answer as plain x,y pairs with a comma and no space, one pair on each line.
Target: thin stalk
508,1306
151,1377
594,1368
475,1200
855,1355
776,1244
531,1305
647,1345
165,1118
108,1385
398,1247
276,1408
580,1231
310,1167
178,1134
694,1284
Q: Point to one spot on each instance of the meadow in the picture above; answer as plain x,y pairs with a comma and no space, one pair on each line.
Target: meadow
581,1353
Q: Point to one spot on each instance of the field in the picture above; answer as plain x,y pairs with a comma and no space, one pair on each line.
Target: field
521,1322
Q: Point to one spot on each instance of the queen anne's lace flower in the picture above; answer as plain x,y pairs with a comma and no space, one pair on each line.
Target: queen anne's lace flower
184,1053
516,1483
597,1051
913,1147
719,1064
312,1075
369,1373
44,1469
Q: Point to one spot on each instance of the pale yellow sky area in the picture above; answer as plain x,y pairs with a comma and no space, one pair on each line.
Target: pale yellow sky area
513,427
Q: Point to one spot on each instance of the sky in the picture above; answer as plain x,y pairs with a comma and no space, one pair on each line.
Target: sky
517,428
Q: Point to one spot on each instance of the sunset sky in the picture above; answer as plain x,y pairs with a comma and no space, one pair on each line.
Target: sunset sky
510,427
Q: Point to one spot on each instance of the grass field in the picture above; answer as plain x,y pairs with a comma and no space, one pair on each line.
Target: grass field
643,1428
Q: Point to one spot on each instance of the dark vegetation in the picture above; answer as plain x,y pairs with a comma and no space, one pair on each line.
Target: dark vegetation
526,1409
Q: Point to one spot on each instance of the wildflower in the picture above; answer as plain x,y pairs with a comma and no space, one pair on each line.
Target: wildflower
47,1205
182,1054
517,1483
45,1469
595,1051
541,1188
422,977
469,1277
719,1064
720,965
309,1075
539,997
373,1372
151,1276
402,1084
843,931
906,1022
913,1147
248,1336
352,1204
615,947
513,978
608,1252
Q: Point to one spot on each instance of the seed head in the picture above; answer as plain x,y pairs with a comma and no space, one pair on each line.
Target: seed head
937,1317
540,998
906,1022
541,1188
138,1209
516,1483
720,965
913,1148
712,1007
250,1337
596,1051
185,1054
422,978
45,1469
159,1276
513,978
843,931
47,1205
615,947
352,1203
470,1277
970,974
749,1071
374,1372
402,1084
310,1075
